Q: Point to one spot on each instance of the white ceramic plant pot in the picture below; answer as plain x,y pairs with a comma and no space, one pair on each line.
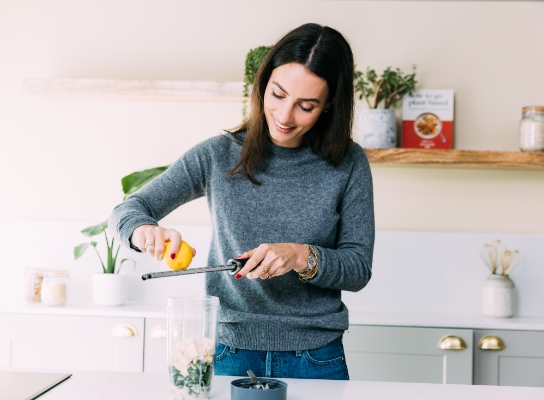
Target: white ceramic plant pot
110,289
498,297
377,128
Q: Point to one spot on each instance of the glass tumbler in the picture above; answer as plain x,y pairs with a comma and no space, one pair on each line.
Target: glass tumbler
191,333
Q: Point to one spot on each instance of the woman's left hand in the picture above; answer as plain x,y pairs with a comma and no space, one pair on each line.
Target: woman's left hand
270,260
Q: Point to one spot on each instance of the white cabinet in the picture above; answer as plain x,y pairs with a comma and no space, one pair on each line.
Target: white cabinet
373,353
399,354
155,345
71,342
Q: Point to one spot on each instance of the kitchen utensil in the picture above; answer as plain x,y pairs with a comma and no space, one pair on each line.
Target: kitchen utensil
490,254
233,266
509,260
258,388
255,383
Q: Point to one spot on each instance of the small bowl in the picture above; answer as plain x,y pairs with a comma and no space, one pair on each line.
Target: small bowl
240,390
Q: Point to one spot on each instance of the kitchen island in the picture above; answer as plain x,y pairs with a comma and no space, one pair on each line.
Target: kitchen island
87,385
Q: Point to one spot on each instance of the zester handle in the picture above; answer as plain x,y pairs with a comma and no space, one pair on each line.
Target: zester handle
237,264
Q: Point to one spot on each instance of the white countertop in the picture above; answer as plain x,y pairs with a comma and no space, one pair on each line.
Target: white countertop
356,317
90,385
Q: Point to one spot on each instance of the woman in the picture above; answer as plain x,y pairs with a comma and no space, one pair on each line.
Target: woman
297,202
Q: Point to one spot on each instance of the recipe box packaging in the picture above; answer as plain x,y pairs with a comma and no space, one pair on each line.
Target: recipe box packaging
427,119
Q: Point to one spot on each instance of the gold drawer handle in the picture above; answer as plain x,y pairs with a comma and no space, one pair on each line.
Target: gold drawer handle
159,332
491,343
452,343
123,331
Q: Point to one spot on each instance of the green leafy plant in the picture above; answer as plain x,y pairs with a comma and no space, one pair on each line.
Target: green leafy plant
387,89
109,267
130,183
254,59
133,182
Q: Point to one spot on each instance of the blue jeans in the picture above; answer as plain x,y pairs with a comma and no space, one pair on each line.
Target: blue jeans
328,362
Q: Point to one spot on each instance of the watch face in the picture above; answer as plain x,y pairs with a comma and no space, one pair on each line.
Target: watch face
312,261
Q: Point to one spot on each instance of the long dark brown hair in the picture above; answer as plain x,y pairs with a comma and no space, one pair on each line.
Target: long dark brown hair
324,52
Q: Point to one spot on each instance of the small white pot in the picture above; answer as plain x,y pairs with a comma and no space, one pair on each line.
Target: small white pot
110,289
377,128
498,297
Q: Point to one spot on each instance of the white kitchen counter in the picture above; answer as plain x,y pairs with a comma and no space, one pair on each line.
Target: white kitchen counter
84,385
357,317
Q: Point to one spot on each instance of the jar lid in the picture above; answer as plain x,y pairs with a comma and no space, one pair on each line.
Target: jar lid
33,270
532,109
193,301
57,273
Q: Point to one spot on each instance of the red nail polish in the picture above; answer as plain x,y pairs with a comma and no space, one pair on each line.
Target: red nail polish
173,255
238,276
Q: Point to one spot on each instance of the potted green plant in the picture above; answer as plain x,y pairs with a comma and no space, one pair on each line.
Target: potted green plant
110,288
254,59
378,124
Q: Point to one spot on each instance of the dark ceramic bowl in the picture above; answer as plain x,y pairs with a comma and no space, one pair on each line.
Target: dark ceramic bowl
240,389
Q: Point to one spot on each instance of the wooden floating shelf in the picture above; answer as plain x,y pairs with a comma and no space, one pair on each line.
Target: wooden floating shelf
457,158
135,89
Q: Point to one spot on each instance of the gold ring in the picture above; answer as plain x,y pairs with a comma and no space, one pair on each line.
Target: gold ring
265,271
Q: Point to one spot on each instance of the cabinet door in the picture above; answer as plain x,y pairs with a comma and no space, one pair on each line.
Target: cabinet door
520,363
155,345
74,342
398,354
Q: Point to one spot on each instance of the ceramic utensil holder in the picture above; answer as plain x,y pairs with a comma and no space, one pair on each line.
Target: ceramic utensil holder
498,296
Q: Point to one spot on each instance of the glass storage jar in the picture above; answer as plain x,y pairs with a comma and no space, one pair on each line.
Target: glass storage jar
191,341
33,284
55,288
531,129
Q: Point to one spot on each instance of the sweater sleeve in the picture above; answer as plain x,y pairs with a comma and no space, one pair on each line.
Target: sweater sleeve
183,181
349,265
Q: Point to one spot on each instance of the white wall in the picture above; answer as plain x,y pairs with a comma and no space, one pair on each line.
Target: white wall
62,160
412,271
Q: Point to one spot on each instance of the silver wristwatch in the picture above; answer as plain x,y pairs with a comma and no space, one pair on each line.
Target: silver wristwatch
312,261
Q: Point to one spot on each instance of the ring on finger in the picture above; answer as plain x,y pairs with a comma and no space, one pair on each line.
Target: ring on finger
265,271
149,244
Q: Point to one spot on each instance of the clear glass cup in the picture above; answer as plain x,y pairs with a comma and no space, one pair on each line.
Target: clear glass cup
54,290
191,333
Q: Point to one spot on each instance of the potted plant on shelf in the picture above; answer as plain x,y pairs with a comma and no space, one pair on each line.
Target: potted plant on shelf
254,59
110,288
378,126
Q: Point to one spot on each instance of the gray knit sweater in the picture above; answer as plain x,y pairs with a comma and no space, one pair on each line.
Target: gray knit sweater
302,199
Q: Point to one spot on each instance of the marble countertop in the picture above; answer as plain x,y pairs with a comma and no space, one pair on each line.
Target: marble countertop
92,385
357,317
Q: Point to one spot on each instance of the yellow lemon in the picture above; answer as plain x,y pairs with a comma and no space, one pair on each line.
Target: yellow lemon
183,257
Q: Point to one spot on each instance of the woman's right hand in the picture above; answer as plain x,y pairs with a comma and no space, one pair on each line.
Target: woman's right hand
151,239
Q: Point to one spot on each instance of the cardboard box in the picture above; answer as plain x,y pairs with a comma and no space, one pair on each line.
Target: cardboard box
427,119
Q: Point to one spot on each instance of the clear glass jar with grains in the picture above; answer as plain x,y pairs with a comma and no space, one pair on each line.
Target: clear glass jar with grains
55,288
531,129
